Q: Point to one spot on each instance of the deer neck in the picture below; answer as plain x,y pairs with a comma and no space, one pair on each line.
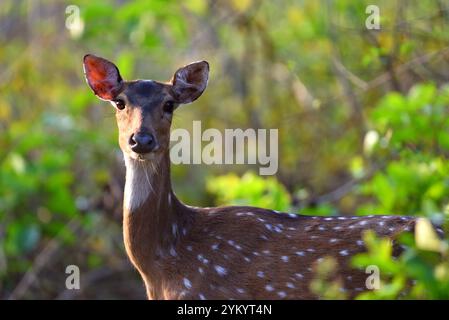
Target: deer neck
153,218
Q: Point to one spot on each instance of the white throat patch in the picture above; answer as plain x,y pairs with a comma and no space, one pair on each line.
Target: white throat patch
138,184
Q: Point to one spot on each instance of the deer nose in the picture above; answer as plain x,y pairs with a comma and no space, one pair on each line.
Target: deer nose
142,142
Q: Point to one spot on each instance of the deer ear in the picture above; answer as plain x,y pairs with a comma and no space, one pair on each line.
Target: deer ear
190,81
102,76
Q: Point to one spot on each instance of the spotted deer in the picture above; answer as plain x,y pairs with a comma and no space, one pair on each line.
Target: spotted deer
234,252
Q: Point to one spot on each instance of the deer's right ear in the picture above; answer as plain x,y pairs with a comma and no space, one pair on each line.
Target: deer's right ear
102,76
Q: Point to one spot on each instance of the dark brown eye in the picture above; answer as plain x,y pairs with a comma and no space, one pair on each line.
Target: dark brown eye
119,104
169,107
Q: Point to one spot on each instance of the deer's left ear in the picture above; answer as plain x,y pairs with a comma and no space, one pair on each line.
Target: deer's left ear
190,81
102,76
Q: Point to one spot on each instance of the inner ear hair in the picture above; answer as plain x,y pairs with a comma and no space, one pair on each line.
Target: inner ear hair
190,81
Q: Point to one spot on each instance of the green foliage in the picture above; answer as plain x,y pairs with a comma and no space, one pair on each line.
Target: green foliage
323,285
412,134
249,190
421,272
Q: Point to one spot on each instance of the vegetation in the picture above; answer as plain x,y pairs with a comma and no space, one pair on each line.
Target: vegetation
362,118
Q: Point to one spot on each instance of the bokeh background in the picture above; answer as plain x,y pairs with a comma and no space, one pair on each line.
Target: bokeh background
362,118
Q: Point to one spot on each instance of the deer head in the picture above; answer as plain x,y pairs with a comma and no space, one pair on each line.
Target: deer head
144,108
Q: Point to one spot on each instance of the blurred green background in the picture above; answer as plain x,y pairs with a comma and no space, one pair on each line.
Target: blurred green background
362,118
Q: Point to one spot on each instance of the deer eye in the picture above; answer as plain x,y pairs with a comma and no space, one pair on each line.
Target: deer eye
169,107
119,104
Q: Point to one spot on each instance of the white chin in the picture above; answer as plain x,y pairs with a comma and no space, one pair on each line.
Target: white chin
142,157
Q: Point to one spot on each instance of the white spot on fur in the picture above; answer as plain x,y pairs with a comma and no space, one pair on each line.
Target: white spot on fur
300,253
240,290
245,214
214,246
333,240
284,258
260,274
282,294
173,252
269,287
299,275
290,285
344,252
202,297
189,248
187,283
202,259
220,270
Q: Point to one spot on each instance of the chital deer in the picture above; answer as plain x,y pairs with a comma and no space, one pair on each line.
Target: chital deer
185,252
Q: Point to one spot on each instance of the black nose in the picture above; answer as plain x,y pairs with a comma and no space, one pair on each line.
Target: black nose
142,142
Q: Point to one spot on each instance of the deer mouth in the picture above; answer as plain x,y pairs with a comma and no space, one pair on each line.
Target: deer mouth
144,157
